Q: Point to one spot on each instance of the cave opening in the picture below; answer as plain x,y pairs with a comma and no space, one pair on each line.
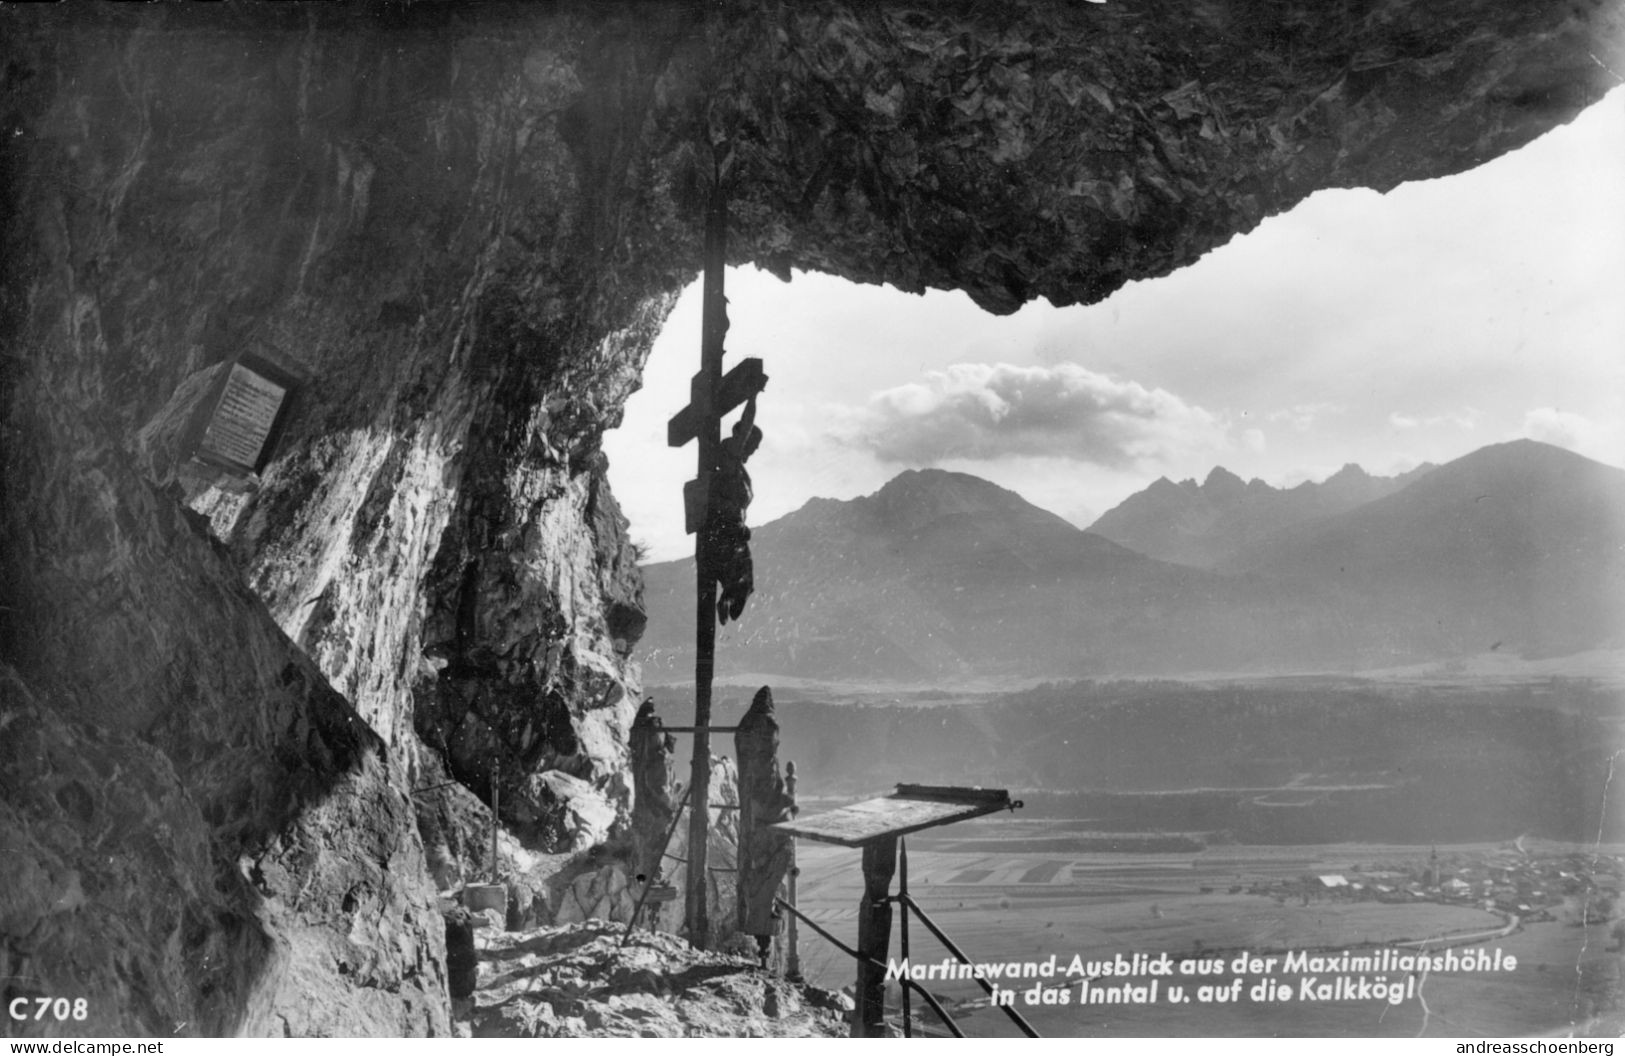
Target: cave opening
1386,331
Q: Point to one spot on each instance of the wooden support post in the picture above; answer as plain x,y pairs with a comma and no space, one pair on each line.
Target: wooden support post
713,327
792,956
902,929
496,806
874,937
711,395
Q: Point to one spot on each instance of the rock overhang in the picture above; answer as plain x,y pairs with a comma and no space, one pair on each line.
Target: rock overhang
1060,150
1042,148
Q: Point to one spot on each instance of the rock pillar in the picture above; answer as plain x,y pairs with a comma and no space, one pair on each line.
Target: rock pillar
764,855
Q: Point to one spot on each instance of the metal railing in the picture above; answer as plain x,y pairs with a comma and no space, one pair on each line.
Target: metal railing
907,903
942,937
906,983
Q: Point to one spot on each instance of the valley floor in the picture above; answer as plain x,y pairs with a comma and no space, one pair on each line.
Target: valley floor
1027,902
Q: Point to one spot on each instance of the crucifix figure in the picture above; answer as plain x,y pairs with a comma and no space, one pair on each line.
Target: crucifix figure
725,543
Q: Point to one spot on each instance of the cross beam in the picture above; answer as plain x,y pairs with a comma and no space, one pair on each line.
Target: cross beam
738,385
745,380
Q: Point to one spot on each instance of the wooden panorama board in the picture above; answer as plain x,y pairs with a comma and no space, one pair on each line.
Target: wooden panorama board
886,818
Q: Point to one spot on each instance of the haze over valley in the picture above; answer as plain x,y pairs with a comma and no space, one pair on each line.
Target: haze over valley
1363,658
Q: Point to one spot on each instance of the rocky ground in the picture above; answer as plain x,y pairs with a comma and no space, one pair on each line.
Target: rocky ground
577,981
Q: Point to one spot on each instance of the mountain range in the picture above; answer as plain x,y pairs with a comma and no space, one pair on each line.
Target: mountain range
1203,524
943,576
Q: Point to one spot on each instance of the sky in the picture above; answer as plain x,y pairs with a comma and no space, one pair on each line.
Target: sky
1384,330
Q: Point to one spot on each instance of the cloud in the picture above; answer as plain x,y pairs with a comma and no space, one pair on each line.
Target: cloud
1575,432
988,411
1466,418
1303,415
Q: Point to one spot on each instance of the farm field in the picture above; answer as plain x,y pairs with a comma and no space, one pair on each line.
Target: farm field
1031,900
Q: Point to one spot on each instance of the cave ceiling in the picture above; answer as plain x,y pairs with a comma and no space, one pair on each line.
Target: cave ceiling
1010,150
1043,149
1061,150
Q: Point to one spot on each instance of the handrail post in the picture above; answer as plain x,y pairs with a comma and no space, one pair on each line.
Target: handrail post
902,895
874,937
792,958
496,810
987,988
936,1006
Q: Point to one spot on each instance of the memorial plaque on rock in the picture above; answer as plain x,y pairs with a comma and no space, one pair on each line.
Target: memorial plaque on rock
238,427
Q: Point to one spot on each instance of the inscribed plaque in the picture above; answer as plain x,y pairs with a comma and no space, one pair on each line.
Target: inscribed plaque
243,417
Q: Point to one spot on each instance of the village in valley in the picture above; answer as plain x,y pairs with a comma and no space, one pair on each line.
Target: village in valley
1523,886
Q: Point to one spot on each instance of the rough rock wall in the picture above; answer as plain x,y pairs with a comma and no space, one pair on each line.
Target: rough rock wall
200,835
351,197
175,193
466,225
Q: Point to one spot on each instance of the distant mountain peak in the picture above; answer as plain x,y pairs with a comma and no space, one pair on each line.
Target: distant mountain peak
1202,525
1163,490
1518,544
1526,452
929,477
918,497
937,485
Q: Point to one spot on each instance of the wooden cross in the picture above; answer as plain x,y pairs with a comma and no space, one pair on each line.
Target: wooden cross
711,395
735,387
